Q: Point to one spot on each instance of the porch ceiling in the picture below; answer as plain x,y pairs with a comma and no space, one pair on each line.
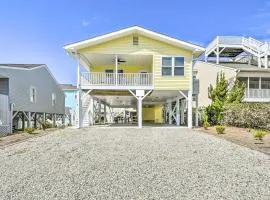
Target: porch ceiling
109,59
124,99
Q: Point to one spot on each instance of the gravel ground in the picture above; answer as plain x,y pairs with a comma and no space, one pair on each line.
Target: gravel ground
131,163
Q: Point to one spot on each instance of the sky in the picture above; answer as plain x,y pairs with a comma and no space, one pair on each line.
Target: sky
34,31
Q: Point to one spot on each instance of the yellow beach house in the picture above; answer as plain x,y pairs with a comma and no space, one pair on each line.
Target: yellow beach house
135,75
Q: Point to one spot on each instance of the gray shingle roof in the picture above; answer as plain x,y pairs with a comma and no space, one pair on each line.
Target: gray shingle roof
243,66
68,87
25,66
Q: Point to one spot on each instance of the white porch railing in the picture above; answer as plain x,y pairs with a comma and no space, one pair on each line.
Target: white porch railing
110,79
258,94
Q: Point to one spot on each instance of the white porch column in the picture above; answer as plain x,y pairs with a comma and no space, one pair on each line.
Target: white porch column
139,112
190,109
249,59
197,111
259,62
79,109
190,91
266,61
105,114
11,118
182,116
29,120
116,69
79,96
177,113
125,117
99,111
217,55
217,52
91,111
78,73
247,88
140,95
206,58
170,112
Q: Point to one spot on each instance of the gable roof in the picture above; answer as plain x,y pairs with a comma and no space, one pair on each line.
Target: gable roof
132,30
23,66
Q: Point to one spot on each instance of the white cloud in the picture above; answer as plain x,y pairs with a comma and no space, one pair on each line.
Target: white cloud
85,23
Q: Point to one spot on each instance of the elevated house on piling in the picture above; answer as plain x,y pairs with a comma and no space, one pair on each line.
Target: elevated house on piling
145,72
28,93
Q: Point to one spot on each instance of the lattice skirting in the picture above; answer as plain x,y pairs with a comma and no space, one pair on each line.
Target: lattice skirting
4,130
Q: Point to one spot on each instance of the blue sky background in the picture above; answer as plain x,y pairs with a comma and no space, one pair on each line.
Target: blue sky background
36,31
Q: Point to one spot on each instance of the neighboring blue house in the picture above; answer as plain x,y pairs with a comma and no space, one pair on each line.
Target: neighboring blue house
70,101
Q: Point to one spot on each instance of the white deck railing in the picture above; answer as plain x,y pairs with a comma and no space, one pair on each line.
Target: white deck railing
249,43
258,94
111,79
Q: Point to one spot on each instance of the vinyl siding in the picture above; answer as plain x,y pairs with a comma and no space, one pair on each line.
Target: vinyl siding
20,81
148,46
207,73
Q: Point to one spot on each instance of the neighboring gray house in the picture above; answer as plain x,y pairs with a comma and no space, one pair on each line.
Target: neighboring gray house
31,93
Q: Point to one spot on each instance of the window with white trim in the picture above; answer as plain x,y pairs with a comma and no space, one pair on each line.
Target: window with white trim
167,66
53,99
173,66
33,94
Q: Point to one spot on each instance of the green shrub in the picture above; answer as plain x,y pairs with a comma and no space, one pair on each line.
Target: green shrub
206,125
220,129
259,134
205,121
29,130
248,115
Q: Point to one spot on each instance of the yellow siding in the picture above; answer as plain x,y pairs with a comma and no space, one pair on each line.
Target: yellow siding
153,114
148,46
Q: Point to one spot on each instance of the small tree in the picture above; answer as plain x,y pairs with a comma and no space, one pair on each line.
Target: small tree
218,95
221,95
237,92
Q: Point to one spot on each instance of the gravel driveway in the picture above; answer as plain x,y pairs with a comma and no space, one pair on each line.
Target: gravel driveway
131,163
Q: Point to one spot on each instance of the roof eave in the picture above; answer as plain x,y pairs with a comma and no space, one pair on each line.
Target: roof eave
135,29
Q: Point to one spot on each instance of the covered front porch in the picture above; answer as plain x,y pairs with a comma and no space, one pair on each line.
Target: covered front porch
122,71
